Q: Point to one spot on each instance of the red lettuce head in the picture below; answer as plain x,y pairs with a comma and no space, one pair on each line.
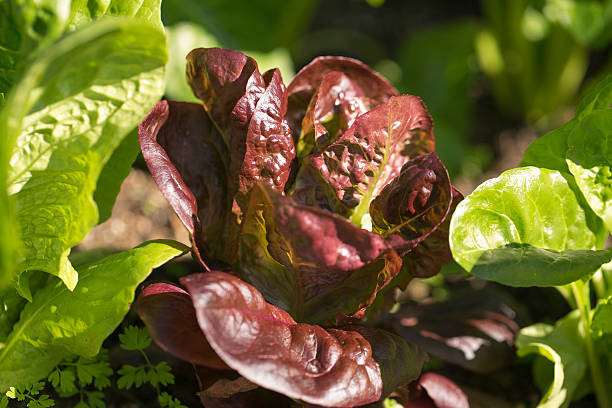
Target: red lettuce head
314,195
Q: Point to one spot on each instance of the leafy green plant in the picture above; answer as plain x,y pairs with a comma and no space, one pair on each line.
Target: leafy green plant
137,339
545,225
75,80
536,52
89,377
31,394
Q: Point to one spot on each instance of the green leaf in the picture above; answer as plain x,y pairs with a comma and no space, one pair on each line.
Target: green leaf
96,368
54,378
59,323
26,26
131,376
44,401
525,265
67,381
167,400
114,172
505,230
84,11
11,305
160,374
9,237
549,150
12,393
599,97
601,325
589,158
563,345
134,338
69,112
96,399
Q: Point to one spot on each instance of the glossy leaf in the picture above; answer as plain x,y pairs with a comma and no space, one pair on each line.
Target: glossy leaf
349,173
85,11
400,362
267,347
430,255
119,66
59,323
589,158
333,108
309,79
308,261
442,391
188,160
168,313
268,146
564,346
525,265
248,110
522,228
219,79
474,329
184,37
414,204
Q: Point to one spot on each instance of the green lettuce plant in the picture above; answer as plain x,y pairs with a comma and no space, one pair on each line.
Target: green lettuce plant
75,80
545,224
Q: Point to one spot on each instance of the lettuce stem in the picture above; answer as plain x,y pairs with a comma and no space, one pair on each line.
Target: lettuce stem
584,306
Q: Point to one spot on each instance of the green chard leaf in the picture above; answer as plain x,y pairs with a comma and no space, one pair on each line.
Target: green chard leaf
525,228
67,114
59,323
563,345
589,158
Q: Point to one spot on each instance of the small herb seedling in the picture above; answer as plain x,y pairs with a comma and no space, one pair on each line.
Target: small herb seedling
137,339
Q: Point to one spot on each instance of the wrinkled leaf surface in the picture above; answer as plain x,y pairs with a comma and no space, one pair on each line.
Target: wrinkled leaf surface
308,261
349,173
59,323
266,346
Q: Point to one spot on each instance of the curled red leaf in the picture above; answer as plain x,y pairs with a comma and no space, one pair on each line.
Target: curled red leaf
168,313
415,203
309,261
349,173
304,85
188,161
267,347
